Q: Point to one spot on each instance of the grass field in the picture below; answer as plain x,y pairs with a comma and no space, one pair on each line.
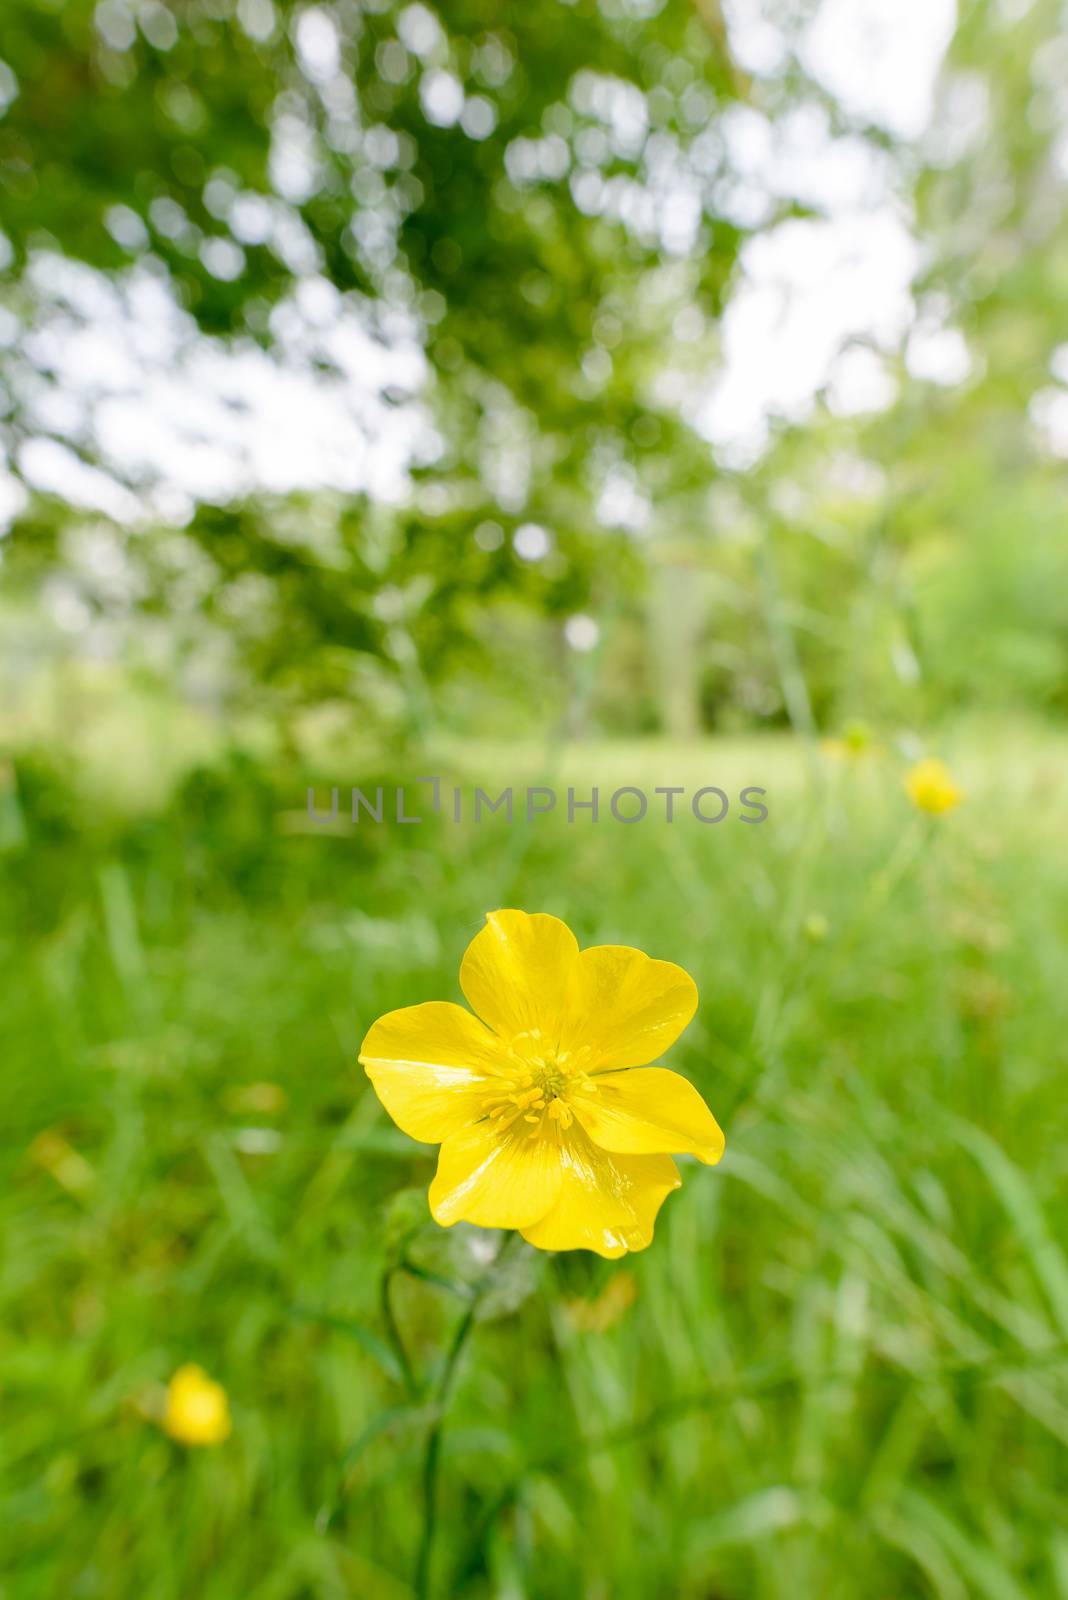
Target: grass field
841,1370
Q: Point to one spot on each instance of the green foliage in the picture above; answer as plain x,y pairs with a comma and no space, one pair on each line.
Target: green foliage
147,138
846,1350
241,152
840,1371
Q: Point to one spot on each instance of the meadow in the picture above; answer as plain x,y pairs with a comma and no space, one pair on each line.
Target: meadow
841,1369
649,394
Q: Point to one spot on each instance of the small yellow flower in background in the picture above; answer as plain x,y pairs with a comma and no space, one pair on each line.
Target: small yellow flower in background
931,788
197,1410
548,1116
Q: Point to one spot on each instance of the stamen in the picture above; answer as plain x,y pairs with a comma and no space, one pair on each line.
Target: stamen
536,1088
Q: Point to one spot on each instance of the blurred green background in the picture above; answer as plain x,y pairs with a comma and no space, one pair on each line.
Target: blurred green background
644,392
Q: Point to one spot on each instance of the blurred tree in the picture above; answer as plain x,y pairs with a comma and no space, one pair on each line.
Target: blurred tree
547,202
920,542
529,191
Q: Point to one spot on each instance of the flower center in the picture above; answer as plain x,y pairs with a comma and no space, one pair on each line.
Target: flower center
537,1082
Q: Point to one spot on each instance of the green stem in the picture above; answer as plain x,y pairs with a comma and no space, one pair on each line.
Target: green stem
393,1333
882,886
432,1451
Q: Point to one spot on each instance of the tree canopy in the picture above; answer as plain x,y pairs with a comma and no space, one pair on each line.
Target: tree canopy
538,217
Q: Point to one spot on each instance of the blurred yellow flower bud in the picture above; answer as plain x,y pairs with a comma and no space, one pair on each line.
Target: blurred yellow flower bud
596,1316
197,1410
56,1155
857,737
267,1099
931,788
855,741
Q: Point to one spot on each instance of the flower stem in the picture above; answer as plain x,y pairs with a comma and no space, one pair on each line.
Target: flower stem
432,1451
393,1333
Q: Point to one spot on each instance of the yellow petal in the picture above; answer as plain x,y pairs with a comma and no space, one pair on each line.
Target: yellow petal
515,972
627,1007
429,1065
648,1110
498,1179
607,1203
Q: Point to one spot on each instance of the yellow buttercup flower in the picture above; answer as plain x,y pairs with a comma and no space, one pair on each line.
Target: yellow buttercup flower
197,1410
931,787
548,1116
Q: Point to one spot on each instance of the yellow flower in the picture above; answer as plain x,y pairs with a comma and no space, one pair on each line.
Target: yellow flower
197,1410
548,1116
931,788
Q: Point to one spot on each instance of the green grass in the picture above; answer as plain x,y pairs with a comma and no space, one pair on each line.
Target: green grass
844,1373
